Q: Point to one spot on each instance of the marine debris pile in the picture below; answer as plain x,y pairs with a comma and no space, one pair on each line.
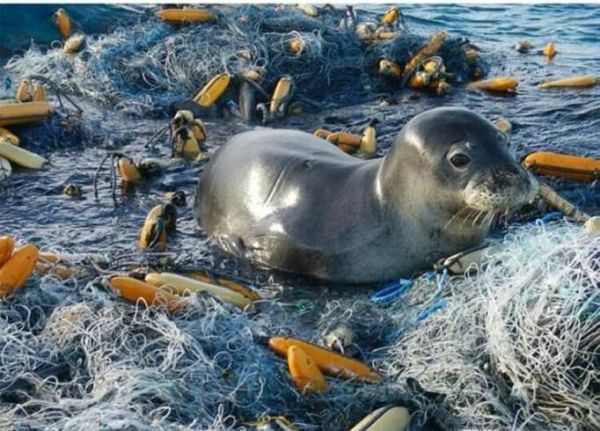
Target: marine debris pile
158,335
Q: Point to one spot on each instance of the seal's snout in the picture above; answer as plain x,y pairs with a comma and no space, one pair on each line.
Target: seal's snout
504,177
501,187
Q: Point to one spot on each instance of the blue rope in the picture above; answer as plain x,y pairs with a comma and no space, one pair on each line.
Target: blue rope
437,305
550,216
391,291
395,289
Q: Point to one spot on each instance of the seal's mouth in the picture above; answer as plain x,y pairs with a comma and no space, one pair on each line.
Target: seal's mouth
500,189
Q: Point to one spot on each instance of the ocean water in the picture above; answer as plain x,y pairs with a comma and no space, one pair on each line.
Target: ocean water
127,80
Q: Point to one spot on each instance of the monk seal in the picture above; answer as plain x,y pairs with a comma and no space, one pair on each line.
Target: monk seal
288,200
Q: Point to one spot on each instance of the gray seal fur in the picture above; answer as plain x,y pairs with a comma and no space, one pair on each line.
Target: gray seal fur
288,200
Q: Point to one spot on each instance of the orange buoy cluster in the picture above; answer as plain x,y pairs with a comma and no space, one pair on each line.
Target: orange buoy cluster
173,290
366,143
308,362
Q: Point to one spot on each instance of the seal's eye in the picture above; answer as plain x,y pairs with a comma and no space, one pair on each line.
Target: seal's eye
459,160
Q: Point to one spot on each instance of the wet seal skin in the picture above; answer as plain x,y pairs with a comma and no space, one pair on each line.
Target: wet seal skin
284,199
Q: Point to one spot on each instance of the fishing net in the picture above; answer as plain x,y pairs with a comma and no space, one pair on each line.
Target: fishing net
143,69
515,346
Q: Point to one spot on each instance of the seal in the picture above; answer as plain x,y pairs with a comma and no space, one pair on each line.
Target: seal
288,200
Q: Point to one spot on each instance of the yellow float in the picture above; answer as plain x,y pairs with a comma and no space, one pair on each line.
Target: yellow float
213,90
23,113
563,165
573,82
500,84
328,362
187,15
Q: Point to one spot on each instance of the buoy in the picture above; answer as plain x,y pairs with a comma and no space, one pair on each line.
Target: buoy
16,271
550,50
24,93
212,91
523,46
7,245
133,290
476,72
5,169
471,55
391,16
296,45
63,23
344,138
306,375
160,220
433,46
11,137
573,82
382,34
501,83
72,190
185,118
503,125
309,9
562,165
419,80
366,31
49,257
127,169
339,339
347,142
328,362
281,96
20,156
322,133
186,145
187,15
74,44
177,198
181,118
439,86
388,418
23,113
389,69
39,92
274,423
254,74
198,131
231,285
368,141
592,225
61,271
183,284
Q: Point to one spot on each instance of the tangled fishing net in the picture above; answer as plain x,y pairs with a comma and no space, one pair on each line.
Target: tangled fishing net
517,345
143,69
514,347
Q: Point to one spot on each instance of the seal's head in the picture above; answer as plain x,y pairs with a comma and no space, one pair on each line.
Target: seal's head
457,164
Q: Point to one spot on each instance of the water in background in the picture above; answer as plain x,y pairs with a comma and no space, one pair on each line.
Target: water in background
122,113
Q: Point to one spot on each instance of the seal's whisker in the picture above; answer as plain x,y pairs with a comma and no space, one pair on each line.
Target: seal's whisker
456,216
479,214
489,218
470,214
